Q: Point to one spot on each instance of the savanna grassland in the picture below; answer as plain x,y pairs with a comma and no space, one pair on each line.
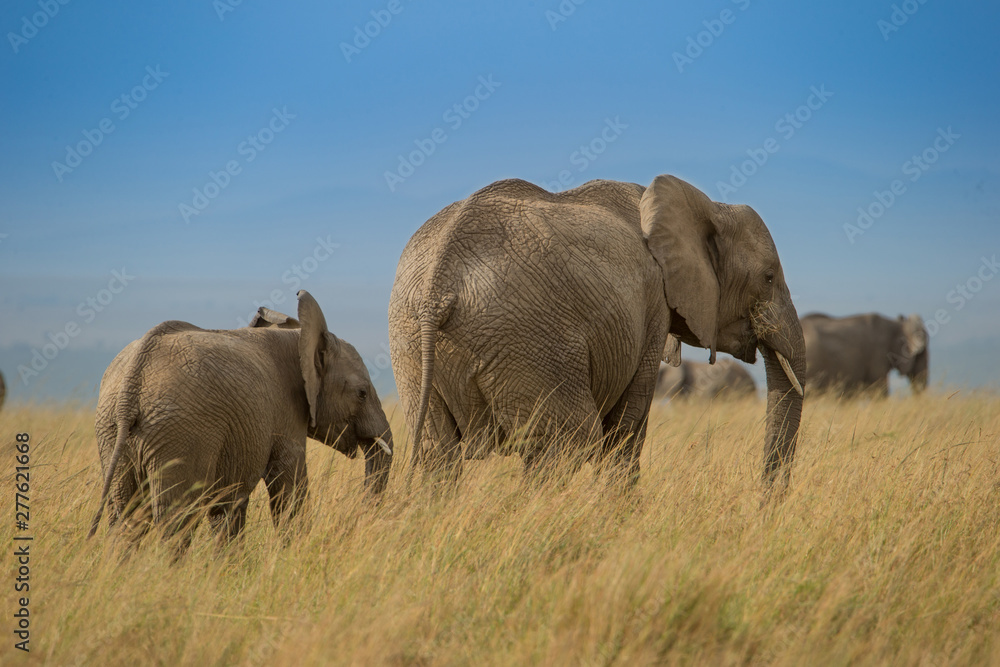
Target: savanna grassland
886,550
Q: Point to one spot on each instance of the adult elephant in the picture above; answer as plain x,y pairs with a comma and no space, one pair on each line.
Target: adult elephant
850,355
726,378
195,416
522,320
3,390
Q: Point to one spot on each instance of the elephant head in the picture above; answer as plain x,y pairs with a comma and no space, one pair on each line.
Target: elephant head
344,409
912,357
726,291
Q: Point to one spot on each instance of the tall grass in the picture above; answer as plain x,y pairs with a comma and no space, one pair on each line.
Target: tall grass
885,550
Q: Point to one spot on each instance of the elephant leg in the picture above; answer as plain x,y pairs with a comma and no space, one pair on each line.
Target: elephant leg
560,442
178,491
625,426
484,434
286,480
546,411
129,508
441,442
123,496
238,517
135,514
228,517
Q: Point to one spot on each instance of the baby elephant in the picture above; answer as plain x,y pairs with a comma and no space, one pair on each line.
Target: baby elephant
726,378
189,417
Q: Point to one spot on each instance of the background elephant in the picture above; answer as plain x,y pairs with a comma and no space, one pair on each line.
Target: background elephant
853,354
517,301
3,390
185,407
726,378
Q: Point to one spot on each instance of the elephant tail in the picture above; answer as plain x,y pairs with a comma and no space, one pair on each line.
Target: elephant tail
430,321
123,429
127,404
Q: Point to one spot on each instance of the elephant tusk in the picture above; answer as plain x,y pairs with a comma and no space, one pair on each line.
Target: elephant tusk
385,447
787,367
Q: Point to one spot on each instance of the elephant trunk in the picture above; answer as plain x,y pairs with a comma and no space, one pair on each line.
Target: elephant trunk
378,461
918,377
784,355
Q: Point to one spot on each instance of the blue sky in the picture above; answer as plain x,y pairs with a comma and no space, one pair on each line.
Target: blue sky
203,85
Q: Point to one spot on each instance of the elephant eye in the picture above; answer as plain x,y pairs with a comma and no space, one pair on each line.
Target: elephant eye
362,394
769,276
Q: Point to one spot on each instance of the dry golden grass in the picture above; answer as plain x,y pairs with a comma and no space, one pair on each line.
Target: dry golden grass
886,551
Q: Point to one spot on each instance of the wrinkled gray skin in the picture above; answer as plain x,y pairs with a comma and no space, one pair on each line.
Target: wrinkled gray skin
850,355
517,298
185,406
724,379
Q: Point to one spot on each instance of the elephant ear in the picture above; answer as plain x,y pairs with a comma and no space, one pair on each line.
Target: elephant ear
266,317
680,233
313,348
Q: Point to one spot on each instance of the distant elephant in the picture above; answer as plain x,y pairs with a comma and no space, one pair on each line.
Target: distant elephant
185,411
3,390
523,321
854,354
726,378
